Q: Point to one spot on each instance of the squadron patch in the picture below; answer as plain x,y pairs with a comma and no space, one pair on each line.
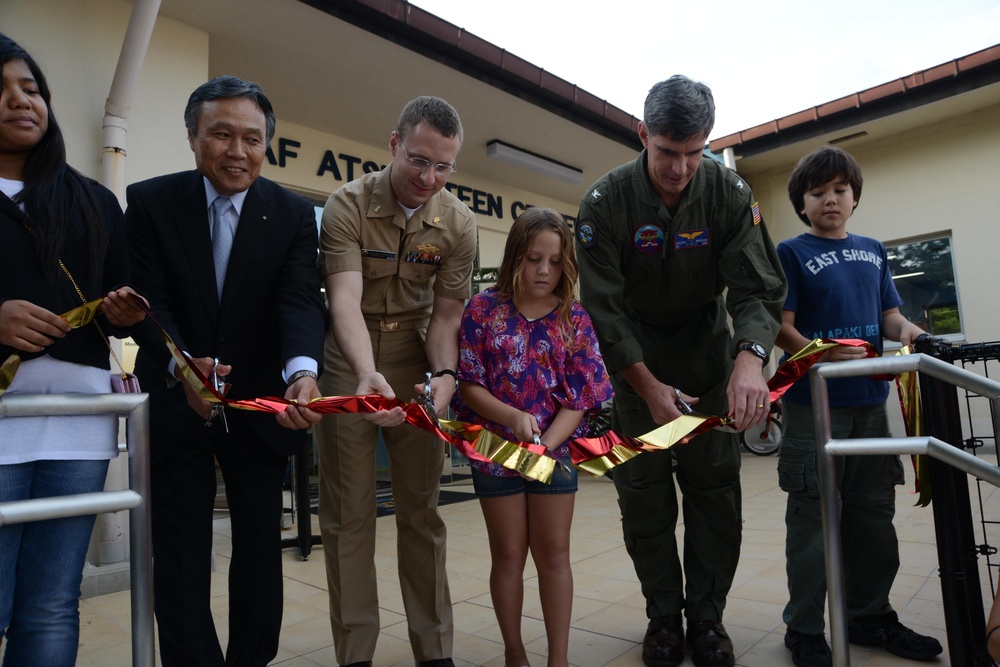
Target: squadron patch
586,233
756,213
648,239
696,238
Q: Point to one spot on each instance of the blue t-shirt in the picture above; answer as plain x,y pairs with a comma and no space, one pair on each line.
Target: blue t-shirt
838,288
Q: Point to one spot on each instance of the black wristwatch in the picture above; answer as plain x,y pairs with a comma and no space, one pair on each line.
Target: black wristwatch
447,371
754,348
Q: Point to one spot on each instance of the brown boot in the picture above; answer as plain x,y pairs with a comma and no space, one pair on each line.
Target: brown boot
663,645
710,645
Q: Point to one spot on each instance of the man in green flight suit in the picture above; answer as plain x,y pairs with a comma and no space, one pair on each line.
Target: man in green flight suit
659,240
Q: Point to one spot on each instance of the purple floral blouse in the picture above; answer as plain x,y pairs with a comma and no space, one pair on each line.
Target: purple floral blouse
527,365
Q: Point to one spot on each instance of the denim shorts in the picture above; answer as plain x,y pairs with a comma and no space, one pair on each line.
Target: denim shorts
488,486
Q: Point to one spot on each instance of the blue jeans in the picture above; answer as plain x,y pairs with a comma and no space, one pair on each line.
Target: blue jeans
41,564
488,486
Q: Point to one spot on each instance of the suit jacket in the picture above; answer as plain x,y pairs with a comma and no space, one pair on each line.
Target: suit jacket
271,307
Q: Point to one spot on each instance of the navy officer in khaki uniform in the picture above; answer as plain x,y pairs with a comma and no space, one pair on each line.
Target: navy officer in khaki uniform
397,251
659,242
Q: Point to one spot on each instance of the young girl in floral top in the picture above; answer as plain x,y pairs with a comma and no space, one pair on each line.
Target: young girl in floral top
529,364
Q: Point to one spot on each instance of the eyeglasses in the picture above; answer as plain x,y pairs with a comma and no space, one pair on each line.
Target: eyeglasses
440,169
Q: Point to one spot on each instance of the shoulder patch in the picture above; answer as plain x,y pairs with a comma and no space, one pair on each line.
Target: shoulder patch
755,209
597,194
586,233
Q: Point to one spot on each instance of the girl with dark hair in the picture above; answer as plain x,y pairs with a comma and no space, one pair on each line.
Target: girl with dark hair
63,240
530,369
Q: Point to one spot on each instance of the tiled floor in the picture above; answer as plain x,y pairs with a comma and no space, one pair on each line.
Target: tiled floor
608,617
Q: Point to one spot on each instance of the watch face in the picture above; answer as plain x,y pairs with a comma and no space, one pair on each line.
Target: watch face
756,348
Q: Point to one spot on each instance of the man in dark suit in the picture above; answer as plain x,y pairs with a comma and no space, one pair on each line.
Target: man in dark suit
228,262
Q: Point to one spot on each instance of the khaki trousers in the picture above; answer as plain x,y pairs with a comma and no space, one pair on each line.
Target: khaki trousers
346,447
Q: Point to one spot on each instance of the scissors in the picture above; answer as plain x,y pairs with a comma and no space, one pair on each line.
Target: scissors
727,422
218,409
681,404
561,467
426,400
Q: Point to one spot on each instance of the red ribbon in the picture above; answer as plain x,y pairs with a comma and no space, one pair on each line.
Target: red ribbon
593,455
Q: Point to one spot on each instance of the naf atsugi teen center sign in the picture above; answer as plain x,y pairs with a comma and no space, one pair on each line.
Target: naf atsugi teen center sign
343,167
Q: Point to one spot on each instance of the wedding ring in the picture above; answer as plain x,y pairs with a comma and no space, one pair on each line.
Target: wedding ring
760,406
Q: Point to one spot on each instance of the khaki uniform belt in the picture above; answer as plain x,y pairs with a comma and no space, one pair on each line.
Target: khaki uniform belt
391,327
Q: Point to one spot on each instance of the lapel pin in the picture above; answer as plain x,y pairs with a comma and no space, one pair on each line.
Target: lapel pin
378,208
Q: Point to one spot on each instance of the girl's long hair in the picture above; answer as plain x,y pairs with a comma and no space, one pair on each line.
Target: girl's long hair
53,191
510,278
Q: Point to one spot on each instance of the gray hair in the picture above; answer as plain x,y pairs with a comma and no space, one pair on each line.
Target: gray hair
679,109
222,87
441,116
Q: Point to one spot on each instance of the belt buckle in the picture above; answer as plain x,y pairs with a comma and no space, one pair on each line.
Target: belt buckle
388,327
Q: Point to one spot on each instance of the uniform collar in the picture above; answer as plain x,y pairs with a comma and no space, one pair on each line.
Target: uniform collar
383,204
692,192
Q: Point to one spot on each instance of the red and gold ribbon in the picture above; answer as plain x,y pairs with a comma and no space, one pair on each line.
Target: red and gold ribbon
592,455
907,386
796,366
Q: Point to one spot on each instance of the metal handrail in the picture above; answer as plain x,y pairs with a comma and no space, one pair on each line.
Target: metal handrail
828,448
135,409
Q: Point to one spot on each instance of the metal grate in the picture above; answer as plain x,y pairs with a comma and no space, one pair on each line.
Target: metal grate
980,439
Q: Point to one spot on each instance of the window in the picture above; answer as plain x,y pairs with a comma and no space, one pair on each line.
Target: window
924,274
318,208
483,277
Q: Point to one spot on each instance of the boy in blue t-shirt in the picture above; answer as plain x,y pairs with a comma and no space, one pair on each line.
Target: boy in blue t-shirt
839,286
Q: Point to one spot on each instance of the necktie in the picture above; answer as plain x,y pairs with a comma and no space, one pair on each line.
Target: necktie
222,239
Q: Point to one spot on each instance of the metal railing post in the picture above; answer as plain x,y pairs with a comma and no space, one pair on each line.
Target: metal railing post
135,408
141,537
826,470
972,647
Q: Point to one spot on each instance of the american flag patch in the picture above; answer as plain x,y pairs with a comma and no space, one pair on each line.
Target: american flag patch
756,213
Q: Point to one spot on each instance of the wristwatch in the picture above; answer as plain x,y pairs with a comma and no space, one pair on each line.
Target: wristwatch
754,348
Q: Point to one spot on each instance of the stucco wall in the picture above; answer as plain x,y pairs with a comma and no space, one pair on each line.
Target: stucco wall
937,179
76,43
301,173
940,178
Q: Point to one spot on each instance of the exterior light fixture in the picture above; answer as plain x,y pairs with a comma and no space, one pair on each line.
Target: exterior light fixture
537,163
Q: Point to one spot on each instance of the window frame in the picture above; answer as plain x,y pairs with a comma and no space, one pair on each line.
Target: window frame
891,246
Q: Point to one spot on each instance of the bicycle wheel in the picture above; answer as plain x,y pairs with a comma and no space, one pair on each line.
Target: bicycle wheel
762,442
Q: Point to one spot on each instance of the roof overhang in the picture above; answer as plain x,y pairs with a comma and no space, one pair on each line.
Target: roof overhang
948,90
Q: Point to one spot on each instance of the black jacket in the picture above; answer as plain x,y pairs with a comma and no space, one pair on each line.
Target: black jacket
271,307
21,277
